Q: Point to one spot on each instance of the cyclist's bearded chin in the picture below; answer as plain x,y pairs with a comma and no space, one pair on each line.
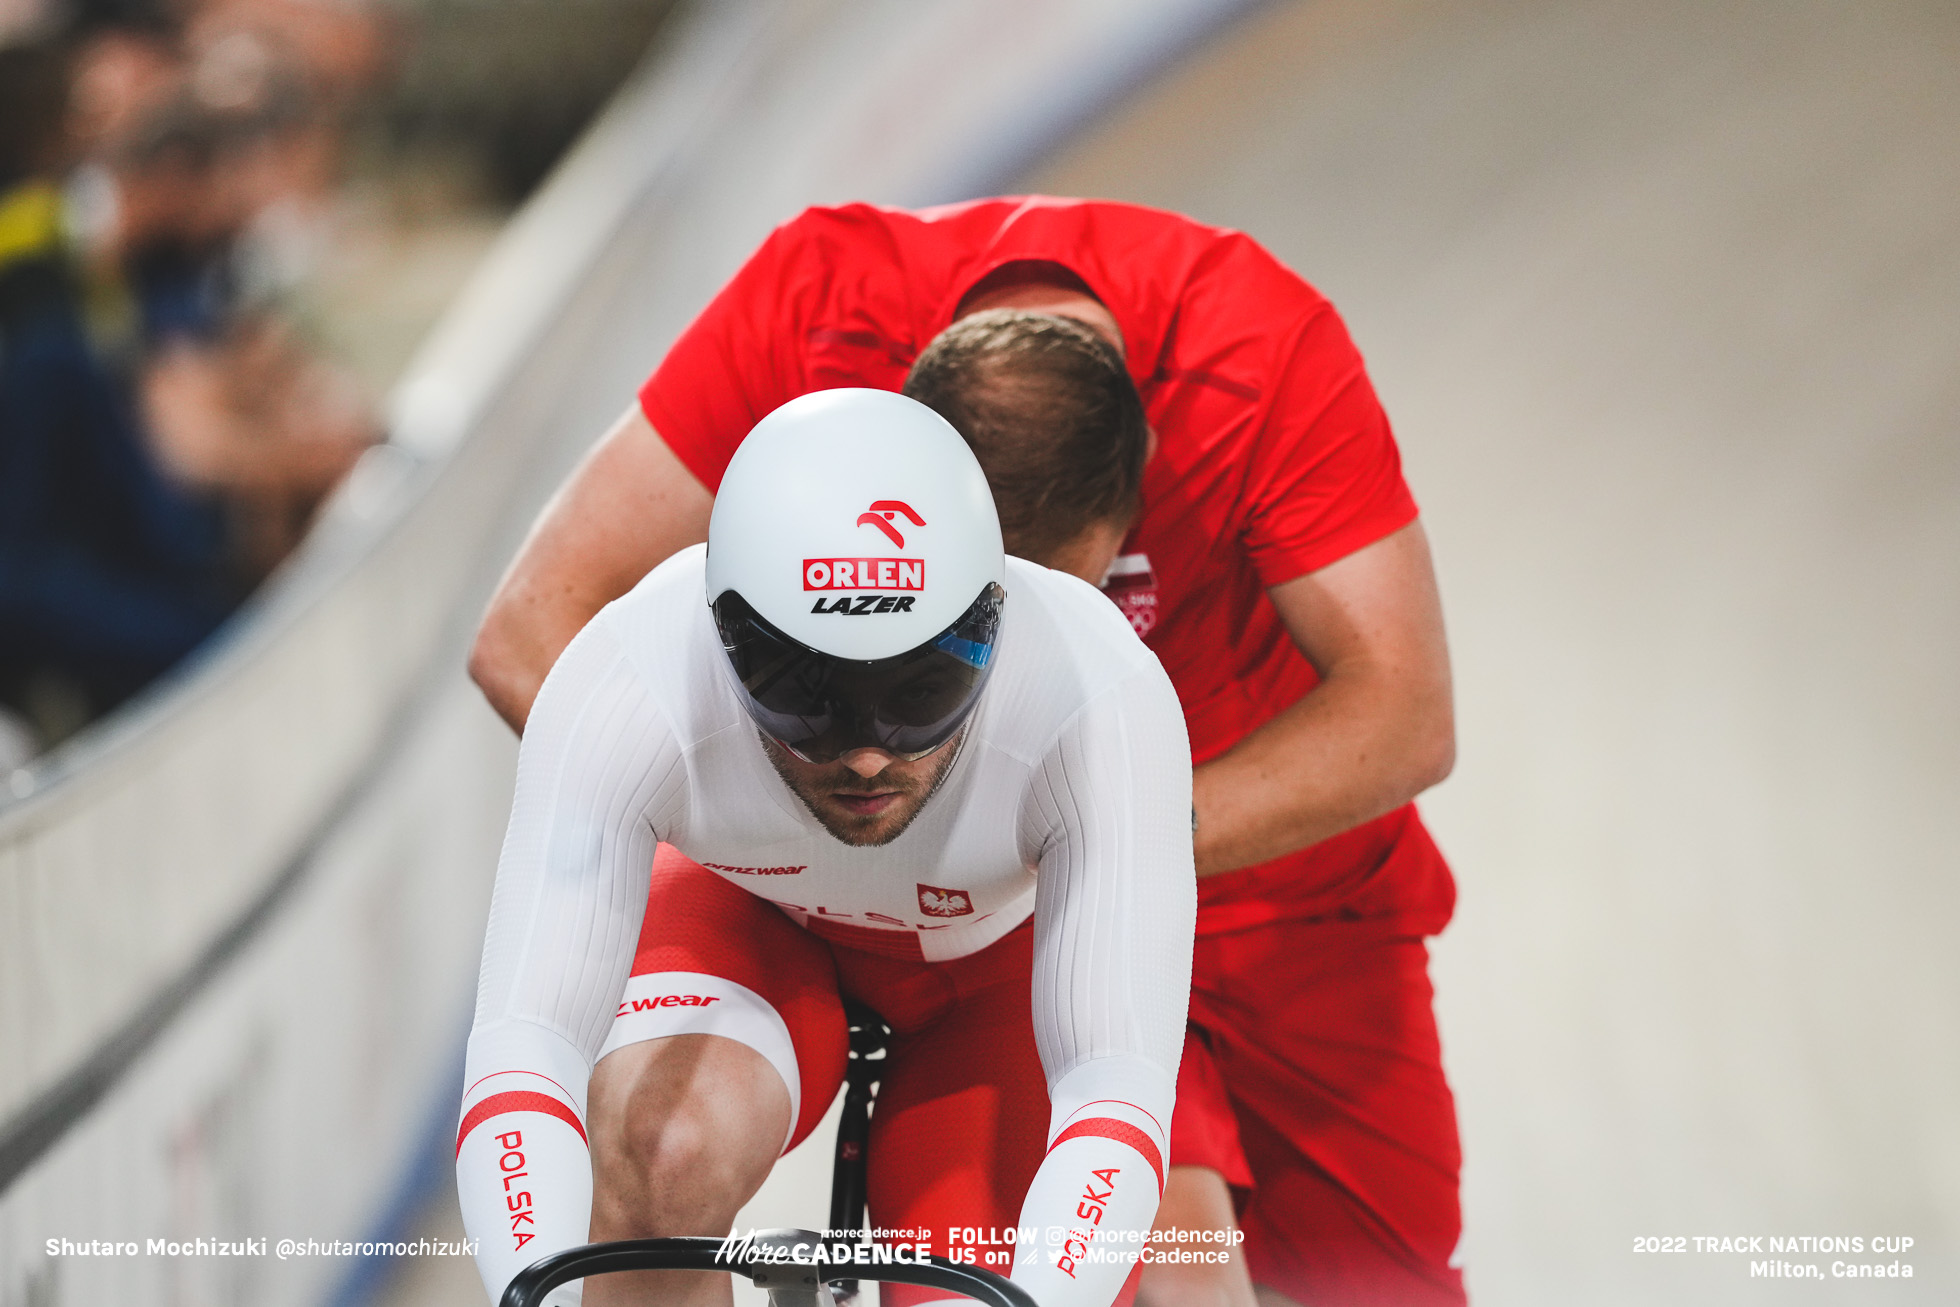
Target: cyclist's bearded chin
864,811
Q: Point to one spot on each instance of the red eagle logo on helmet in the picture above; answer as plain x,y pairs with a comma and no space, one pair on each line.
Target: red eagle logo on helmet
884,512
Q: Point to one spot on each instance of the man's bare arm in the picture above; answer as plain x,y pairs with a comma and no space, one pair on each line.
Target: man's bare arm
1378,730
626,508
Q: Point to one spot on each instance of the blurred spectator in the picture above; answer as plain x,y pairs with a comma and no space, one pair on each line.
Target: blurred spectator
127,58
236,406
341,47
108,573
165,435
171,194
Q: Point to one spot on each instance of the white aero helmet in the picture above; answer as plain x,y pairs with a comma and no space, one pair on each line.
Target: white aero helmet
855,570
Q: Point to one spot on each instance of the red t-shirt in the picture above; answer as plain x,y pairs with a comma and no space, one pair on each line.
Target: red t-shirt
1274,458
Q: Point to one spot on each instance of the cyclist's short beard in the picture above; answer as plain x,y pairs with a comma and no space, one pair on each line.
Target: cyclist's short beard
917,782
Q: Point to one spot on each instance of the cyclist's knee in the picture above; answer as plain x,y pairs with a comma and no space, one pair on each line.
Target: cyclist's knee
684,1130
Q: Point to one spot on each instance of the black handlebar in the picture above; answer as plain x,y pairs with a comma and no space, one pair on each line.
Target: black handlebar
769,1259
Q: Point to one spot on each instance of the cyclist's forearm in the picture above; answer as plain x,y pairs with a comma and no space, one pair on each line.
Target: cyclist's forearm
523,1168
564,915
1093,1200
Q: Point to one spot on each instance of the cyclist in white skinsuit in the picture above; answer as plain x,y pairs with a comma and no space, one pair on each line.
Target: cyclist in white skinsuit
1056,786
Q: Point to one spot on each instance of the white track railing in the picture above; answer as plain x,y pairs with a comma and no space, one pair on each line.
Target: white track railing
238,922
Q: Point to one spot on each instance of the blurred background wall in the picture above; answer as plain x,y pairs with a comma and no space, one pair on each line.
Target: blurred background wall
505,86
1661,300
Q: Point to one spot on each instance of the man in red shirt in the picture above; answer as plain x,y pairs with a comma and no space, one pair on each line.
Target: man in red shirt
1279,573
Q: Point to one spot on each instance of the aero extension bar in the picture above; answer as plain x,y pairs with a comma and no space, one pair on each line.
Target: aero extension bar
776,1260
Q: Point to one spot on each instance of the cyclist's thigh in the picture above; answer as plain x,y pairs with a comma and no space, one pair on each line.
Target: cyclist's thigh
716,960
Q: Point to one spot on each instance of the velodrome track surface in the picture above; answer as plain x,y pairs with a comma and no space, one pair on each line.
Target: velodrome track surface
1665,302
1662,301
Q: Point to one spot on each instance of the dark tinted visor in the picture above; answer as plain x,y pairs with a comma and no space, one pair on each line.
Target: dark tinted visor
820,707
